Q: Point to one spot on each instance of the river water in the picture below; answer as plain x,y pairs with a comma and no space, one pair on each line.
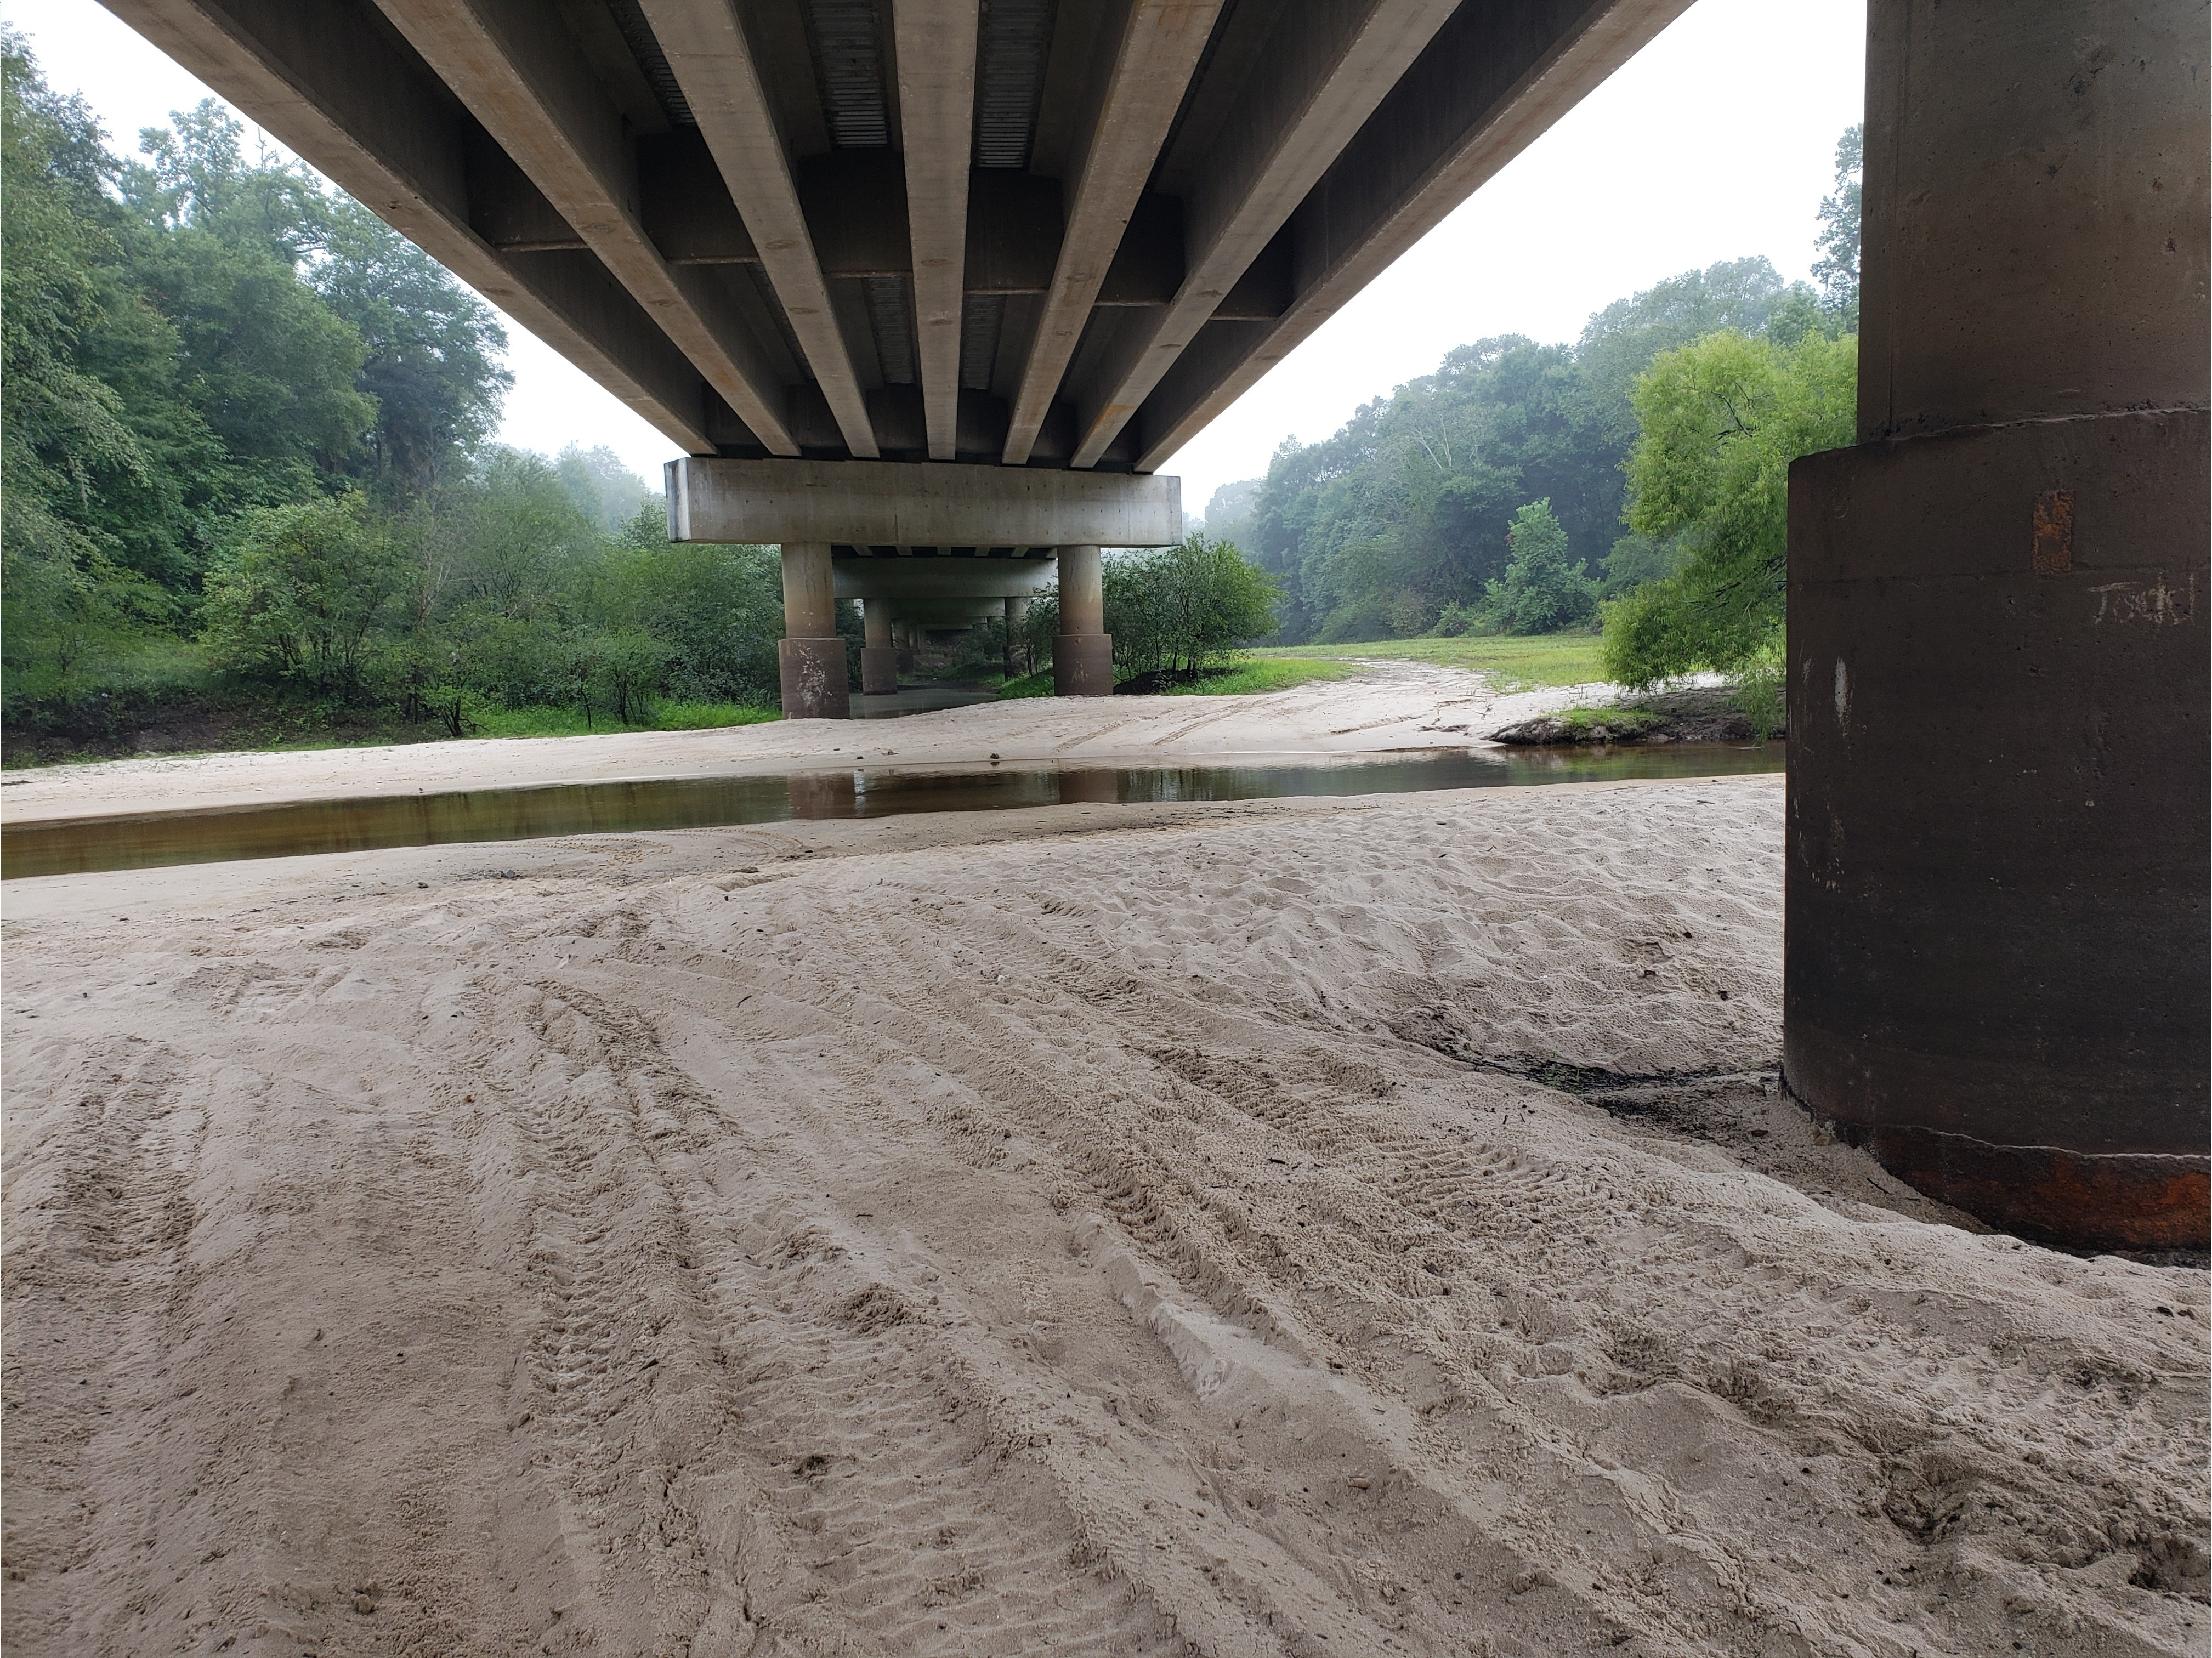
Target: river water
295,829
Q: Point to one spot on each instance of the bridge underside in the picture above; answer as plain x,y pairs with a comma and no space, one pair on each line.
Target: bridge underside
1030,237
923,287
1034,233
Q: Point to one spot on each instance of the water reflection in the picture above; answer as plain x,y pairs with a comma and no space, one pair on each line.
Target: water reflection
143,841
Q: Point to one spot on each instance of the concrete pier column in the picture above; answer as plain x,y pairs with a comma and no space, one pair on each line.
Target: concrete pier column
1997,849
1083,655
1017,612
810,656
878,659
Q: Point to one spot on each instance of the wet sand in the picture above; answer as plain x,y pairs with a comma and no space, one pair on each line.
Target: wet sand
1087,1229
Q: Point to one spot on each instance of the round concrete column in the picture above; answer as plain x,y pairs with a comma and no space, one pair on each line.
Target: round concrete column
878,660
1997,853
811,657
1083,655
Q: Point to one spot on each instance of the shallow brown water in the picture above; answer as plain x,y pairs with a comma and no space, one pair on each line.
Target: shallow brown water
299,828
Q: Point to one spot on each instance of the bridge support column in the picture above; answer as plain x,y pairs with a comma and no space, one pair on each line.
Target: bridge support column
811,657
1997,850
1083,655
878,659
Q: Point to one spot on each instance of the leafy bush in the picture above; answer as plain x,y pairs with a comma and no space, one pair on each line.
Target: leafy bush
1540,593
302,594
1456,619
1177,608
1360,622
1721,422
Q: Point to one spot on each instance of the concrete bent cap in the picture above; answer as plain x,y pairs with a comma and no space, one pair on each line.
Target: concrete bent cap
908,503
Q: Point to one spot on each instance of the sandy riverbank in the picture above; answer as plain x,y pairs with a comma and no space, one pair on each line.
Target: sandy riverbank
1095,1230
1388,706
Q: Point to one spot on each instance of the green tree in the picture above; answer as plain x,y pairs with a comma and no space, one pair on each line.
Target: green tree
1837,269
431,350
603,486
1636,559
272,370
1540,591
1399,517
717,609
1722,420
304,593
1174,610
64,439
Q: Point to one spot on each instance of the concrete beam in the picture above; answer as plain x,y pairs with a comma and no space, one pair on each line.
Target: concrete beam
945,614
714,62
1489,82
332,85
918,504
526,80
936,50
686,207
1129,113
1325,68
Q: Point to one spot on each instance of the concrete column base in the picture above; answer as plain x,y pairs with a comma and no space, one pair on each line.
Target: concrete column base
1082,665
879,670
1995,954
815,686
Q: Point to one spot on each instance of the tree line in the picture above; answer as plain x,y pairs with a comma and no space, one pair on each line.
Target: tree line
1640,472
245,455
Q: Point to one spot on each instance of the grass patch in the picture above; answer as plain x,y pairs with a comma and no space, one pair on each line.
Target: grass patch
1248,674
487,722
1514,661
1029,684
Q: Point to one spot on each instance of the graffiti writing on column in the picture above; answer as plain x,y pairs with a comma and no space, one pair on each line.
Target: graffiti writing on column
2145,601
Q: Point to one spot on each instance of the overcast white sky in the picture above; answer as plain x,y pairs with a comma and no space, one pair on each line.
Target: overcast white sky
1716,142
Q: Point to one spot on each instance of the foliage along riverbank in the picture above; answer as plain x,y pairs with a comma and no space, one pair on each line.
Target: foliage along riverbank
1695,715
250,492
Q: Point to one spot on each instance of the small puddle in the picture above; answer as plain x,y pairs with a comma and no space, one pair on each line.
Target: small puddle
302,827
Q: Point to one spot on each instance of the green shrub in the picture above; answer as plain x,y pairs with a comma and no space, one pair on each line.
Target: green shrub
1177,608
1540,592
1721,421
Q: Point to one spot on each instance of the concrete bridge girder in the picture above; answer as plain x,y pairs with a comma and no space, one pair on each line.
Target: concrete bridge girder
889,236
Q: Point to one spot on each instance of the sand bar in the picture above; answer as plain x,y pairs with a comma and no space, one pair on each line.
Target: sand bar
1385,706
1087,1229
